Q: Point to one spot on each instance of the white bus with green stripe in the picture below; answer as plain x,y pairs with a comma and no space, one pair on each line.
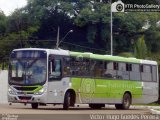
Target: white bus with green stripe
56,76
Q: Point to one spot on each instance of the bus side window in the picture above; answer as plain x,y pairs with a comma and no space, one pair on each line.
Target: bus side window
66,66
146,75
54,69
98,68
109,70
141,68
154,73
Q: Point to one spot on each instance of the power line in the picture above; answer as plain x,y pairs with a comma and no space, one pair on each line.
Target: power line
85,46
102,50
28,40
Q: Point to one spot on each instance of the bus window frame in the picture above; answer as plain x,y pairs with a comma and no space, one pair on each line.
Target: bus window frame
130,65
50,58
156,66
151,65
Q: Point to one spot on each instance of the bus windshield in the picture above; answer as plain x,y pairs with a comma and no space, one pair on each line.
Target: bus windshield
27,71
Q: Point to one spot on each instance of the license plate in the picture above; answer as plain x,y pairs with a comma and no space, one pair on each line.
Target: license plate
24,100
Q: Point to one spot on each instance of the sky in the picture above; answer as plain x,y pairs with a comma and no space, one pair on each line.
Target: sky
8,6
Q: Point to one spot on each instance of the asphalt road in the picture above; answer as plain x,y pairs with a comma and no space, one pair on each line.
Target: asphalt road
50,109
83,112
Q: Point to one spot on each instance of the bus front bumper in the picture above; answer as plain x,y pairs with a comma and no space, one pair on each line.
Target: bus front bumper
29,98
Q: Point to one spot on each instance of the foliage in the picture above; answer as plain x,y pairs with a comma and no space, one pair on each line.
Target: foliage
140,50
3,23
126,54
140,1
38,21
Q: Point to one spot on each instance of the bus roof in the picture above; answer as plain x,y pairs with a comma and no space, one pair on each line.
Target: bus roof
105,57
92,56
112,58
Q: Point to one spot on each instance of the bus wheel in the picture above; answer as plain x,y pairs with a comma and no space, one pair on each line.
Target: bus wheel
125,103
34,105
67,101
96,106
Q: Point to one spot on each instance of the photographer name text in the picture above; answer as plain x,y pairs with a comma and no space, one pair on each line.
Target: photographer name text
123,117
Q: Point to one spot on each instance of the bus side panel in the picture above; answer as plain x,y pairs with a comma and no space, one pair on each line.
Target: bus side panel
115,89
104,91
57,89
150,93
76,86
85,88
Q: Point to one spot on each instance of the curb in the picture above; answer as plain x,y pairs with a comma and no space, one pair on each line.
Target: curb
155,111
146,107
150,108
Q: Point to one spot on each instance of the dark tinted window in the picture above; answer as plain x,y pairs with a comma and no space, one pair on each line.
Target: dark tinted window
128,67
76,66
115,65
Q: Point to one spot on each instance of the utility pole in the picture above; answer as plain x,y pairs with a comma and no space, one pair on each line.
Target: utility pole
111,30
60,41
57,44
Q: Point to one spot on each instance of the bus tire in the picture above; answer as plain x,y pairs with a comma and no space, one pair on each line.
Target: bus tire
34,105
125,103
67,101
96,106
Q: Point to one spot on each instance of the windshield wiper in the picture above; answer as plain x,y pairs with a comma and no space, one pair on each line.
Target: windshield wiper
17,78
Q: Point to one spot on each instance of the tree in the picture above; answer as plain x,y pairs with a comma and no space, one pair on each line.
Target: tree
90,21
3,23
140,1
140,50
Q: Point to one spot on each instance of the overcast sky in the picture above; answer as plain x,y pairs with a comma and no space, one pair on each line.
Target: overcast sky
8,6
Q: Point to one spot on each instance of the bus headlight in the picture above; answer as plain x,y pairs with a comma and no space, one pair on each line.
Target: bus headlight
41,91
11,91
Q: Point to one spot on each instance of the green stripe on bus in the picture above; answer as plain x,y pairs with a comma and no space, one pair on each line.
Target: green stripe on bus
103,88
105,57
33,91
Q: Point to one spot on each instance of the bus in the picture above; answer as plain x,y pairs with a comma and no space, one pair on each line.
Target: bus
55,76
